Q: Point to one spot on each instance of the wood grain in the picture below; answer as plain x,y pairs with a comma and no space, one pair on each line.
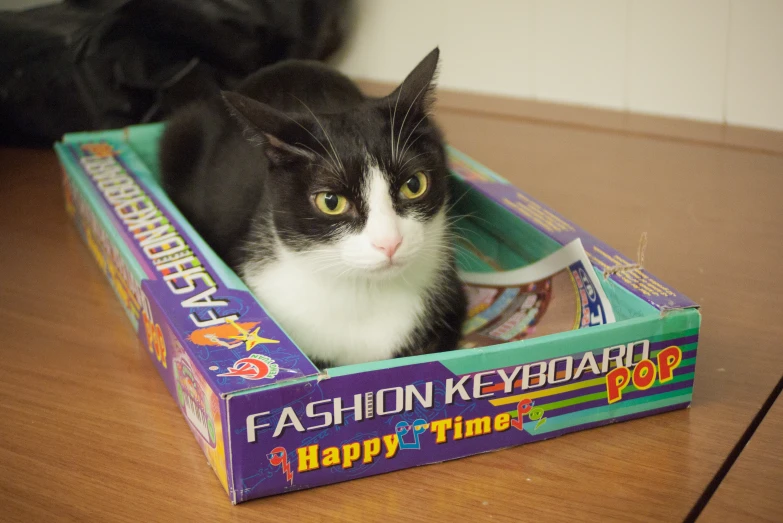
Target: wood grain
752,491
90,433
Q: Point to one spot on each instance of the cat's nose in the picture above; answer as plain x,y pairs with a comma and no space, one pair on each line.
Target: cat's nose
388,245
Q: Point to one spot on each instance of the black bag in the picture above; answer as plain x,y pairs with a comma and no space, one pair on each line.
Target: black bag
102,64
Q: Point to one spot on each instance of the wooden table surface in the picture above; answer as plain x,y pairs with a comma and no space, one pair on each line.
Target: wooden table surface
89,432
753,488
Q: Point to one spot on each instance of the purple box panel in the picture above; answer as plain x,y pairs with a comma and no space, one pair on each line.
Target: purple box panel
319,432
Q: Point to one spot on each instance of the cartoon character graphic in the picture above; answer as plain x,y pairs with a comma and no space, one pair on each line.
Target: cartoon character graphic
254,367
403,427
278,457
231,335
192,399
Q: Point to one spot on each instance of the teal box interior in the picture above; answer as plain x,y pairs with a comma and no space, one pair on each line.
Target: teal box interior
269,421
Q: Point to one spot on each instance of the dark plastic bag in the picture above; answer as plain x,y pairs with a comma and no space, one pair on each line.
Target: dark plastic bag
96,64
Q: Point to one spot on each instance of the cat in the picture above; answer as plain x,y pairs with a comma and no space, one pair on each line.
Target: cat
330,205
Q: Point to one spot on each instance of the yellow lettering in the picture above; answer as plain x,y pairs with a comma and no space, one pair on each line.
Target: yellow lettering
351,453
502,422
477,427
440,427
372,447
308,458
331,456
392,444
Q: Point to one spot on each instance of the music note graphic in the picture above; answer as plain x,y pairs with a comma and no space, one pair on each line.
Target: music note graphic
523,407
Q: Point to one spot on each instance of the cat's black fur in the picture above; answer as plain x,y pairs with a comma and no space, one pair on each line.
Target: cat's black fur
236,168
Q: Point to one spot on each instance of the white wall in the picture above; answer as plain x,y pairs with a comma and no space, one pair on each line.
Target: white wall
712,60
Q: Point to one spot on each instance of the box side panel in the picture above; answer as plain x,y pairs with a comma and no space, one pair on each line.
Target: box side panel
555,226
198,402
345,427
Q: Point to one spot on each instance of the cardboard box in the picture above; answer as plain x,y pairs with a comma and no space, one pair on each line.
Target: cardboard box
265,417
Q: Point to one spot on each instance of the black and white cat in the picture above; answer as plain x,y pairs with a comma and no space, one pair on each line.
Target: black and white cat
330,205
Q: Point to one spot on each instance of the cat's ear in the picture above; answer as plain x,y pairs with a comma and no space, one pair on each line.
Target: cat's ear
280,136
417,90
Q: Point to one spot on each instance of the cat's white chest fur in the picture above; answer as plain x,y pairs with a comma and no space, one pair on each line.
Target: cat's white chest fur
341,320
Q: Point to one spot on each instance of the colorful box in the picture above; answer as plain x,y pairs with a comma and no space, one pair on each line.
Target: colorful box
265,417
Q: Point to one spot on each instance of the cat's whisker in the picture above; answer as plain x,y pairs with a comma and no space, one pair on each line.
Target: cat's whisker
391,118
323,258
434,247
346,271
321,253
404,148
394,117
451,215
326,262
466,244
324,269
399,135
412,144
457,219
325,265
470,246
454,204
459,231
308,132
462,256
402,275
336,156
480,218
401,167
328,163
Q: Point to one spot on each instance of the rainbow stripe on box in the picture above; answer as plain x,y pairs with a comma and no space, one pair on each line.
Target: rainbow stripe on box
584,400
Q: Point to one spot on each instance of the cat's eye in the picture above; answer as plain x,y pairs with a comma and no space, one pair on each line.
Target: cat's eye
415,186
331,204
